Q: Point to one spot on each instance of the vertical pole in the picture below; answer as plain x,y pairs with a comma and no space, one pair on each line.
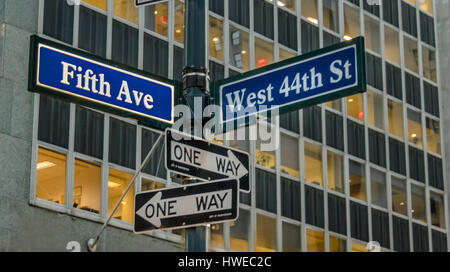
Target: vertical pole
196,91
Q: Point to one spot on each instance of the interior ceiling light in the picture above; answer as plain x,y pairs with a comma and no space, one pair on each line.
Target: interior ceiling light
313,20
112,184
347,38
44,165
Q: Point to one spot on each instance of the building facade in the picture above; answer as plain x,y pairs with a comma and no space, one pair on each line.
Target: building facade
369,167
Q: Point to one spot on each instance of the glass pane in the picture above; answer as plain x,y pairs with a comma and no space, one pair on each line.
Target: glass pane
125,9
313,164
215,38
289,155
331,15
433,136
411,54
351,23
291,238
314,241
335,172
239,52
156,18
355,106
437,210
285,55
101,4
310,11
391,44
290,4
357,180
265,150
239,138
378,188
263,53
51,176
266,234
415,128
399,203
372,34
87,186
117,183
429,63
239,231
216,235
418,209
150,185
395,118
179,22
337,244
426,5
375,108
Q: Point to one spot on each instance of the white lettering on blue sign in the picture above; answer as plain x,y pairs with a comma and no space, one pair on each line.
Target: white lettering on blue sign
98,82
290,84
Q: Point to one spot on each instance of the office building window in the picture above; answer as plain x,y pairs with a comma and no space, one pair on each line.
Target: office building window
337,214
117,183
122,143
409,19
310,11
216,6
263,53
351,22
329,39
437,210
266,188
331,15
289,4
335,172
431,96
420,238
239,231
125,40
439,241
179,21
433,136
155,166
58,20
291,238
375,109
399,202
315,241
157,18
412,86
374,9
89,132
395,118
427,29
100,4
416,164
372,34
378,188
240,12
391,44
216,235
310,37
216,71
390,12
313,164
51,176
411,54
397,156
380,228
426,5
415,128
377,148
358,247
357,180
374,71
215,40
435,174
126,10
418,207
266,234
289,155
87,186
359,221
156,55
149,185
54,116
290,199
287,29
400,229
335,104
265,149
337,244
290,121
264,18
429,63
356,139
394,81
355,107
312,123
284,55
239,51
335,130
314,206
92,31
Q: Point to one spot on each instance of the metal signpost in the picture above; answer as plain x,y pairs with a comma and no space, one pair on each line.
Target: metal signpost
187,206
198,158
323,75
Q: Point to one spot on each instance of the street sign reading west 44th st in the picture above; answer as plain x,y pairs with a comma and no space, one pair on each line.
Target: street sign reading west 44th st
198,158
312,78
187,206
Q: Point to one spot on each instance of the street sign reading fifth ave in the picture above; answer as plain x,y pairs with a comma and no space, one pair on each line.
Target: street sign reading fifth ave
138,3
187,206
198,158
313,78
86,79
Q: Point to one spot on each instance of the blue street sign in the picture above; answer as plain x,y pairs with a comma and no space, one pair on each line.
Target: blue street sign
64,71
313,78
